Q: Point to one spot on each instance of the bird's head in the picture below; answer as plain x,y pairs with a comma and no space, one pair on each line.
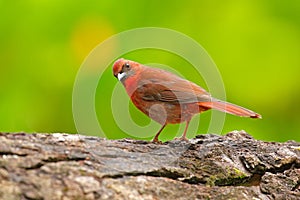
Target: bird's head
123,69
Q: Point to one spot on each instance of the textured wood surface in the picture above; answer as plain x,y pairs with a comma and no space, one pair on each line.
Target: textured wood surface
66,166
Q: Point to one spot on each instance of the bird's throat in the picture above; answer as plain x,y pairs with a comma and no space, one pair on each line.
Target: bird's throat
131,84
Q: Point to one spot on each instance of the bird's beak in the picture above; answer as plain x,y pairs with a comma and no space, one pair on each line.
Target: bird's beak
120,75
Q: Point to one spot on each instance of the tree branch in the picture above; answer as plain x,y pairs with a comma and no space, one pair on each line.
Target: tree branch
65,166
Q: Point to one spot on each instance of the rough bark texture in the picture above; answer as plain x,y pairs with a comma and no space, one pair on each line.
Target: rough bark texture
64,166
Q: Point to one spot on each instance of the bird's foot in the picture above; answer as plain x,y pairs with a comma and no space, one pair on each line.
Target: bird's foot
183,138
156,141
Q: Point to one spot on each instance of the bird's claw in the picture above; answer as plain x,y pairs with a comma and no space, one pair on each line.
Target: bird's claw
156,141
182,139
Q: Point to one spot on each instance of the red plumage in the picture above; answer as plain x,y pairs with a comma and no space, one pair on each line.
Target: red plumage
167,98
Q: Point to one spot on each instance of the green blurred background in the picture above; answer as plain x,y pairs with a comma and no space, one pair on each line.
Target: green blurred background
255,44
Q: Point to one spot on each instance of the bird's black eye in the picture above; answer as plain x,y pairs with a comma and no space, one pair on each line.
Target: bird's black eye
126,65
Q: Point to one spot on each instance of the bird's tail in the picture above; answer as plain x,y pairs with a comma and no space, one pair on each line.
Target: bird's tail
229,108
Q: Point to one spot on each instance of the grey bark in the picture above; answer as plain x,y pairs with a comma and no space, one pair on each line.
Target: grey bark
65,166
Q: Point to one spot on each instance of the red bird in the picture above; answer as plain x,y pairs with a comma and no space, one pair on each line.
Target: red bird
167,98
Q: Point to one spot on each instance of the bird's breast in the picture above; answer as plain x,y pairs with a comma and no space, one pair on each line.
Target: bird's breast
131,85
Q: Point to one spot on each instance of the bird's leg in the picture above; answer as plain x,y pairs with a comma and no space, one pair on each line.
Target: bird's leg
155,139
183,137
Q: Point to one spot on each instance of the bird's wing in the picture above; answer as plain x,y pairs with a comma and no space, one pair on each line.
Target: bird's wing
167,87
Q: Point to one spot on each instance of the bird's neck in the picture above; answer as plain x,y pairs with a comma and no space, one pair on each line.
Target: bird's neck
130,84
